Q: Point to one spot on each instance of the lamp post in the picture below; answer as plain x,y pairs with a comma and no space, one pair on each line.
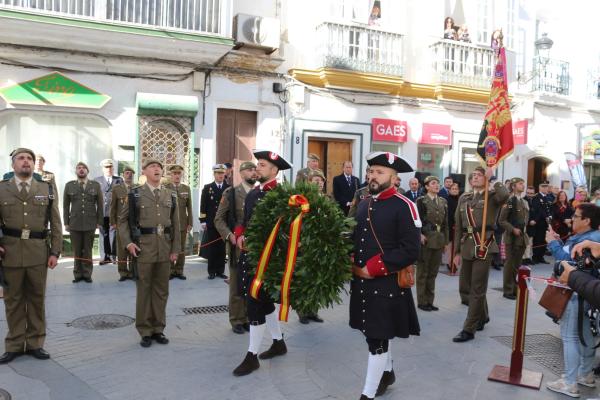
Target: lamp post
542,48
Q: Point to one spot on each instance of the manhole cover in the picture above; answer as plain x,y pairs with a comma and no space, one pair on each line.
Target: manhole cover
100,322
4,395
206,310
544,349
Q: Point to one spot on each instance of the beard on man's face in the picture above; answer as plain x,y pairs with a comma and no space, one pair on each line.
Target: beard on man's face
250,181
375,188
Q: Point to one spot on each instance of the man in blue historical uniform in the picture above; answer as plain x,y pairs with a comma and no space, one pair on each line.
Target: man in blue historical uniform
261,311
387,239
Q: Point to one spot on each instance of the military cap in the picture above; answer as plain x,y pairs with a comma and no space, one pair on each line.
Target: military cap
84,165
313,156
219,168
129,169
149,161
175,167
41,157
22,150
228,165
390,160
107,162
516,180
316,172
281,163
431,178
247,165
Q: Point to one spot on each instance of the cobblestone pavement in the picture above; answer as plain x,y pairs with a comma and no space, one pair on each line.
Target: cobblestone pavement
324,361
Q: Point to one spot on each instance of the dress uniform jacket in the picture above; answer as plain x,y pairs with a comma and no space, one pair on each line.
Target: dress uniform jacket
83,208
186,218
209,204
379,307
514,214
541,209
434,216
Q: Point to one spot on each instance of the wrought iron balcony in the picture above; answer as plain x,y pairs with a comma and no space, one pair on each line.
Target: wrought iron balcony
461,63
359,48
550,76
197,16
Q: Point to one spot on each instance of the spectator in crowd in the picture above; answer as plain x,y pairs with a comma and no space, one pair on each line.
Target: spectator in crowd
344,187
585,284
541,209
561,215
397,184
529,195
107,242
581,196
366,182
414,192
228,173
554,190
596,198
450,29
463,34
375,16
445,190
579,358
551,194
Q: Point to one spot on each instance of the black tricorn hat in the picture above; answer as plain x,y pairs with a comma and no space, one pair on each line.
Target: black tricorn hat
281,163
389,160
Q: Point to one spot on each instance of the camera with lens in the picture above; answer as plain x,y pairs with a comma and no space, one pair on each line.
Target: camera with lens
585,262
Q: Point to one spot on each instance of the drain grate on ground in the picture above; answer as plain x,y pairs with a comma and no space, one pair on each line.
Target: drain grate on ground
99,322
205,310
4,395
544,349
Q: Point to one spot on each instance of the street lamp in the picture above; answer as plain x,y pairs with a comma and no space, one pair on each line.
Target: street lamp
542,47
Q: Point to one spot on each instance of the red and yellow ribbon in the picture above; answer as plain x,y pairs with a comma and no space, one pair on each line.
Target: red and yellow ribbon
264,261
290,262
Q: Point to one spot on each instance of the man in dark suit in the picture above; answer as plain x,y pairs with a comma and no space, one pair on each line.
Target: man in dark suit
344,187
445,190
213,249
541,210
108,248
413,192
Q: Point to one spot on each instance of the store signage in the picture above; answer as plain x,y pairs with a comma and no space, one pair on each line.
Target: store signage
54,89
520,129
389,130
436,134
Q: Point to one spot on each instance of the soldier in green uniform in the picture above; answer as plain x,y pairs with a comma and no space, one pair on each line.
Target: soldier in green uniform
513,219
230,214
28,248
125,261
47,176
186,216
311,164
433,211
83,214
155,218
473,252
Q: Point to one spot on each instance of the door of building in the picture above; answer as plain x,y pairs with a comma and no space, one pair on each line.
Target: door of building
332,153
536,171
236,137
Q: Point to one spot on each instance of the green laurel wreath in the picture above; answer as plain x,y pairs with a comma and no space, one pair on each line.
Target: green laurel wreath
323,263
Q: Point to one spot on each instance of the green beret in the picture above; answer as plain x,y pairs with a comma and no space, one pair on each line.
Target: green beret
431,178
247,165
23,150
149,161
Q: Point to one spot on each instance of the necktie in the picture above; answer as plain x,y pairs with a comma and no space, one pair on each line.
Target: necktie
23,188
349,180
219,186
156,195
109,180
81,185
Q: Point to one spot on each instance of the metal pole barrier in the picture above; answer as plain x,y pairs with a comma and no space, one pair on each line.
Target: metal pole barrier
515,374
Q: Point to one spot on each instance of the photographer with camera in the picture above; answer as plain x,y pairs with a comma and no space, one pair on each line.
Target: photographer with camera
578,358
581,281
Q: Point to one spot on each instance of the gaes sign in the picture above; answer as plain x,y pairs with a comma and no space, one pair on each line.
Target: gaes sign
389,130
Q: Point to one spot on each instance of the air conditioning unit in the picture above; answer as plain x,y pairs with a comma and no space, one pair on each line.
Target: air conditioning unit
258,32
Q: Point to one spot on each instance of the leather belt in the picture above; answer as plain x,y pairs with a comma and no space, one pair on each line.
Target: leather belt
20,233
487,228
151,231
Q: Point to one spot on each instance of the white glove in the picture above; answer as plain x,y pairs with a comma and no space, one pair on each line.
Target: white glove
203,226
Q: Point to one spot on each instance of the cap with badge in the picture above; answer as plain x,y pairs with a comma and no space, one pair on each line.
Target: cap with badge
281,163
175,167
316,172
22,150
128,169
313,156
516,180
219,168
247,165
107,162
149,161
431,178
390,160
82,164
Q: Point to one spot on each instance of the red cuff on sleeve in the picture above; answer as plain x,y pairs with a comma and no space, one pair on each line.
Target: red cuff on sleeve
239,231
376,267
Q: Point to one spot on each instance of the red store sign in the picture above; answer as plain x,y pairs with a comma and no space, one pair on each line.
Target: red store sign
389,130
436,134
520,129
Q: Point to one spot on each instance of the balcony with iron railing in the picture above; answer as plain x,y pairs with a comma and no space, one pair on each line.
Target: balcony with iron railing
359,48
462,63
191,16
550,76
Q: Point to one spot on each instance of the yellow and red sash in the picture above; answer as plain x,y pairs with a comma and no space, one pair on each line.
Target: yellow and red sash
290,261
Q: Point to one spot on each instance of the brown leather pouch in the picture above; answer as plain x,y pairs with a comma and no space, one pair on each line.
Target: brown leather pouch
555,299
406,277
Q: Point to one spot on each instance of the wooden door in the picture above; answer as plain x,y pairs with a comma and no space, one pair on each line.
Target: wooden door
337,153
318,147
236,137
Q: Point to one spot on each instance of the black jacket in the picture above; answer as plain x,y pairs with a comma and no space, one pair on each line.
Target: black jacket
587,286
209,203
344,192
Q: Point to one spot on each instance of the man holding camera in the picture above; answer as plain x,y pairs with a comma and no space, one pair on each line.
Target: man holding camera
579,359
582,282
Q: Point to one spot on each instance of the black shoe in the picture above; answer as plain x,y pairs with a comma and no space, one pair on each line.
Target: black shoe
463,336
278,348
160,338
433,308
315,318
171,277
223,276
9,356
387,379
181,276
239,329
482,324
77,280
146,341
249,364
211,276
123,279
246,327
40,354
527,261
304,320
464,303
424,307
104,262
509,296
364,397
88,280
